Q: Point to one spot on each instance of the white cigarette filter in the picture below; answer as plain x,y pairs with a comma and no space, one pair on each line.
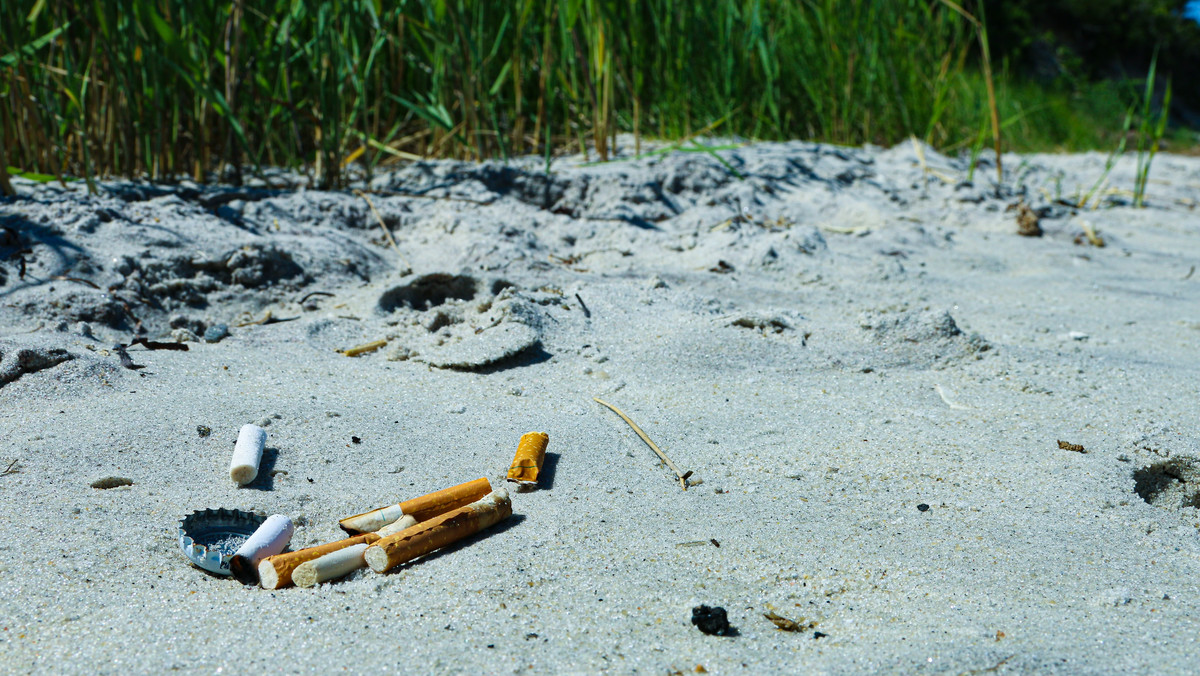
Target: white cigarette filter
331,566
405,522
247,454
375,519
268,540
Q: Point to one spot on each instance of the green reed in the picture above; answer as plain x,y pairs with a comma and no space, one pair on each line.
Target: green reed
166,89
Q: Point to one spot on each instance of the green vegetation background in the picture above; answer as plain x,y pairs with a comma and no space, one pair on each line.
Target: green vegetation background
169,88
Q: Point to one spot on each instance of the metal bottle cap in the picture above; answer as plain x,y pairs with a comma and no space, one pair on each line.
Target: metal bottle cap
209,537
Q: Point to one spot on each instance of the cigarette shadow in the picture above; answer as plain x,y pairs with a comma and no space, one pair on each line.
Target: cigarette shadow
549,468
265,481
510,522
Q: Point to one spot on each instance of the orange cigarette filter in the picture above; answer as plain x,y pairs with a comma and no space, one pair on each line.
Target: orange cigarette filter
389,552
531,453
276,571
422,509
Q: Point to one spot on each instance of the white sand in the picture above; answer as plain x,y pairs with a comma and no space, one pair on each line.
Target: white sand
817,386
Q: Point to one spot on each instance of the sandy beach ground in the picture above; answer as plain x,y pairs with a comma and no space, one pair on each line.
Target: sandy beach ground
866,368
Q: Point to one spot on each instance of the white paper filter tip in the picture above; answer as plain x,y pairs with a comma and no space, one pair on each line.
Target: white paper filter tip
247,454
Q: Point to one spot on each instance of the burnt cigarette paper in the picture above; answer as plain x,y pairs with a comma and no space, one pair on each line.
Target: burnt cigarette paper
421,508
270,539
247,454
438,532
527,464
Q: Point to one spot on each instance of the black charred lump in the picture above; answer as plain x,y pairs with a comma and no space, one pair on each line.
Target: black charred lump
712,621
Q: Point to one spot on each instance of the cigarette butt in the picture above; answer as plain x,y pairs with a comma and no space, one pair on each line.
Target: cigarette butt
373,520
422,509
438,532
439,502
330,566
268,540
403,523
531,453
247,453
280,570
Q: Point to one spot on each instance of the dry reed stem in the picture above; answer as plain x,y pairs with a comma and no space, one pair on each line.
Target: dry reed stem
654,447
925,168
985,51
364,348
386,233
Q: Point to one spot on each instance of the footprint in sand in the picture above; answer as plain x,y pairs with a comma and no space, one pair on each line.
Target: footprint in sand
456,321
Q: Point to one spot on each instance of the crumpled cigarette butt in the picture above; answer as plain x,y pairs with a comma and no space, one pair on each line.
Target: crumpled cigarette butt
531,453
270,539
421,508
247,453
438,532
278,570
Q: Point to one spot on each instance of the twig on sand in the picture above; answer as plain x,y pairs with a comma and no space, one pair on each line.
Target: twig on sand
12,468
683,476
315,293
267,318
77,280
920,151
364,348
949,402
444,198
386,232
1090,232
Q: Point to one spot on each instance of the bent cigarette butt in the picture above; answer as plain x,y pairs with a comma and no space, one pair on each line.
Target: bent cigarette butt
531,453
438,532
270,539
330,566
421,509
279,570
247,453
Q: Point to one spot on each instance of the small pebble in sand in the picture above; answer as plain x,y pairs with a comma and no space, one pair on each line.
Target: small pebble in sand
203,430
922,507
216,333
712,620
107,482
